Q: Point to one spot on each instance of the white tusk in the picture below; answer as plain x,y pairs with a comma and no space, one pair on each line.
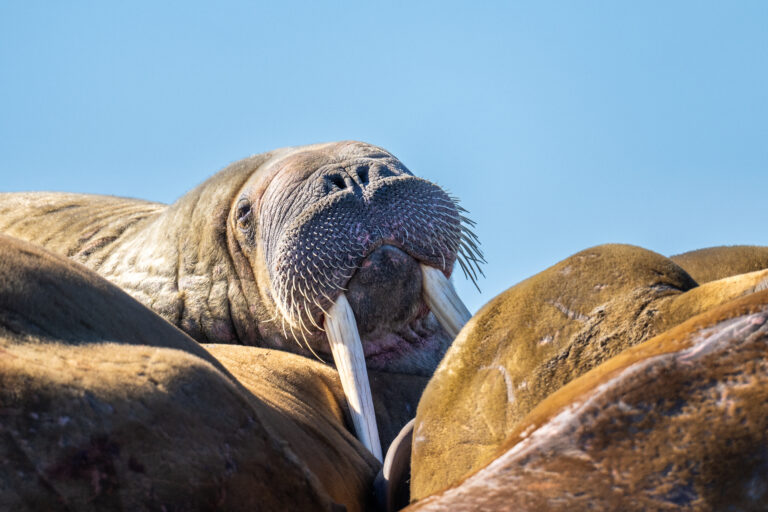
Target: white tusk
347,350
443,300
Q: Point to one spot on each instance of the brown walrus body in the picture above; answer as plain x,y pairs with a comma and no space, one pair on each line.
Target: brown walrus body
679,422
541,334
714,263
257,254
106,405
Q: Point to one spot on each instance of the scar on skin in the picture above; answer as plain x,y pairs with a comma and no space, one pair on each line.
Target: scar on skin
507,380
573,315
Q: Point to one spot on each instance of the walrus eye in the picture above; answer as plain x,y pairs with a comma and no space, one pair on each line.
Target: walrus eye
243,212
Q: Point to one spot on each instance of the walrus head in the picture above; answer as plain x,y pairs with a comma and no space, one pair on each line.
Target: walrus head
357,252
349,218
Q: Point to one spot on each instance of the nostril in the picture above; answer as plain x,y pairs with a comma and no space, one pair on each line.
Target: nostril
336,181
362,174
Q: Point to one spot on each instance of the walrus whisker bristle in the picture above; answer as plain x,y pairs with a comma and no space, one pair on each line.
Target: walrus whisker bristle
468,259
477,262
282,322
315,354
302,292
470,270
330,301
471,244
463,267
472,253
311,349
311,319
319,305
474,264
469,235
293,335
473,249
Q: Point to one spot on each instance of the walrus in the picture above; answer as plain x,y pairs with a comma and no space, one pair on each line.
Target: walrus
541,334
679,422
101,399
334,250
715,263
105,405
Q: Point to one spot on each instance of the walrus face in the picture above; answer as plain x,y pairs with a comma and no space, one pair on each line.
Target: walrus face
351,218
354,246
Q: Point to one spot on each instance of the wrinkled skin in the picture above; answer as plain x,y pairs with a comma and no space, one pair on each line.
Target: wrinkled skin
255,254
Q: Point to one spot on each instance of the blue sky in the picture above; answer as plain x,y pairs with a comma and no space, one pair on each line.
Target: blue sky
560,125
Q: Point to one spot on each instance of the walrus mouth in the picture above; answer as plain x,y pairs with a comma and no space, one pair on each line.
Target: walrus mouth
312,256
348,355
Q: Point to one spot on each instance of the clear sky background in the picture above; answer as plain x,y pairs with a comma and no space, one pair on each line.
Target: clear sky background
560,125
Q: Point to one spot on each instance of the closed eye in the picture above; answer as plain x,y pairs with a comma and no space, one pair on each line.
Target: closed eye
243,211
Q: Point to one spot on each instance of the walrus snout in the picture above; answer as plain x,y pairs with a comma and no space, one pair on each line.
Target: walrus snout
353,176
385,293
315,250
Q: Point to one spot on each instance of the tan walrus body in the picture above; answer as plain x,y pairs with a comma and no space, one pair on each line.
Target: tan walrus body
714,263
678,422
538,336
105,405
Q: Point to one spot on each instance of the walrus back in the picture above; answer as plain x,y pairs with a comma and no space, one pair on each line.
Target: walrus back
79,226
713,263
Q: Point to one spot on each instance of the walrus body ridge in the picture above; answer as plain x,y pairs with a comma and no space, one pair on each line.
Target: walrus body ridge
258,253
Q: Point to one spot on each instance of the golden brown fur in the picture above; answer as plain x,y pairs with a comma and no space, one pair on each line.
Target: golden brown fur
679,422
714,263
539,335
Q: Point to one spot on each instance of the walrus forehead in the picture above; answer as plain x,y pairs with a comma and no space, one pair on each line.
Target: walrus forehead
296,166
295,179
350,149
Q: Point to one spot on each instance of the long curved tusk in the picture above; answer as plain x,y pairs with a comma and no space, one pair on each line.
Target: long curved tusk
443,300
347,350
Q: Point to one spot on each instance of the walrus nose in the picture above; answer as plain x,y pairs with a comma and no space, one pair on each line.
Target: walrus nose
356,176
386,291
